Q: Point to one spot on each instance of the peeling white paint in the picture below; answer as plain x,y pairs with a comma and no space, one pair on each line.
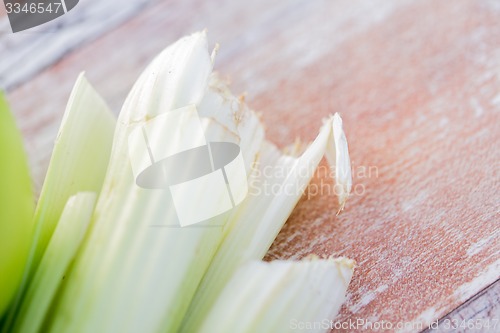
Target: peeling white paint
476,247
478,109
367,298
469,289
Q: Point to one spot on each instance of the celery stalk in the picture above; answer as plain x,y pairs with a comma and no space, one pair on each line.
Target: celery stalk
281,296
60,251
79,160
78,163
16,210
259,219
136,272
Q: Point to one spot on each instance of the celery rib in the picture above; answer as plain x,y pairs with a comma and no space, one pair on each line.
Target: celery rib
61,249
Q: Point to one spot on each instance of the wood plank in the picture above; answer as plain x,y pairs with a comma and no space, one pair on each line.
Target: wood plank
28,52
2,13
479,314
419,94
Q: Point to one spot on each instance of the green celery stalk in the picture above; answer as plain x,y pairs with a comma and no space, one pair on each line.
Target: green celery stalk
134,271
78,164
60,251
79,160
16,207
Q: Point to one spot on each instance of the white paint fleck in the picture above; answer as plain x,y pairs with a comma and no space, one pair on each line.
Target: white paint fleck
367,298
485,278
496,100
426,317
416,201
478,109
443,122
479,245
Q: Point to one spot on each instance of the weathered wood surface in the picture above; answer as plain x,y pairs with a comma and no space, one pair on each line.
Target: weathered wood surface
418,86
26,53
479,314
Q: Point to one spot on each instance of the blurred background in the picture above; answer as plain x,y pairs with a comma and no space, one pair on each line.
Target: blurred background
417,83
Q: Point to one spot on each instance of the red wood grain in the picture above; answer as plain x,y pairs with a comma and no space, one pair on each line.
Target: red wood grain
420,98
418,86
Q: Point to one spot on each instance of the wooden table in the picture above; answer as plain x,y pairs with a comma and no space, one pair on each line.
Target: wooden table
417,84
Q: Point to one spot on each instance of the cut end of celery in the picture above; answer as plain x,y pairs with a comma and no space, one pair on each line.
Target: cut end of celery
270,297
